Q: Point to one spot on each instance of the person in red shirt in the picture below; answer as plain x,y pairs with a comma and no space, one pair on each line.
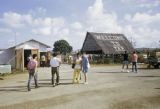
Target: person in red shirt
134,62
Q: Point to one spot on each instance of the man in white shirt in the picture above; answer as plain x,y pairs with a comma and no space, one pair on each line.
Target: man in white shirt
55,63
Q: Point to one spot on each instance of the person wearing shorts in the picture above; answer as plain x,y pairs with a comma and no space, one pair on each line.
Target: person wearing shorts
125,61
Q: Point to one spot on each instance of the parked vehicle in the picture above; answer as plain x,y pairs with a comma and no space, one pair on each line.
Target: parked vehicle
154,59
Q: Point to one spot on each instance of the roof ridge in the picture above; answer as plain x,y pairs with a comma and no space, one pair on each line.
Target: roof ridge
32,39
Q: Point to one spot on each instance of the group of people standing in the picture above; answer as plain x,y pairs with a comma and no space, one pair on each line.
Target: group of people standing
134,59
81,63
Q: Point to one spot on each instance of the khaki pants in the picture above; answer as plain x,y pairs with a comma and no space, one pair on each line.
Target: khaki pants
55,70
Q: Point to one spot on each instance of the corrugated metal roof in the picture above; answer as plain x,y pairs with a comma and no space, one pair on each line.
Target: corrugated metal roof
29,41
107,43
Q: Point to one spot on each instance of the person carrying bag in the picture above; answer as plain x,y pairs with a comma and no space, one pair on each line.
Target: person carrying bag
32,70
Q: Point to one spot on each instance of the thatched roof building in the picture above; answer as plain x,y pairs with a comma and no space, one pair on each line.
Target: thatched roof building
106,43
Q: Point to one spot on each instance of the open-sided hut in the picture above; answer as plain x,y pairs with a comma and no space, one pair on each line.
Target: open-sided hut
106,44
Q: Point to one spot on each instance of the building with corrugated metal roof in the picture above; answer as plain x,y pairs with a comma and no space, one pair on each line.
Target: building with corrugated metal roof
106,43
17,55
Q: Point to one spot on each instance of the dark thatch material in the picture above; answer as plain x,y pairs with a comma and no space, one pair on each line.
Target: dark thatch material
106,43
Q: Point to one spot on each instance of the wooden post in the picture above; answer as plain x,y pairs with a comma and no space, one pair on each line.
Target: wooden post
20,59
103,58
113,58
23,60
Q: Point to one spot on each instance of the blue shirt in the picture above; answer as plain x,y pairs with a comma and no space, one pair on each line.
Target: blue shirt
85,62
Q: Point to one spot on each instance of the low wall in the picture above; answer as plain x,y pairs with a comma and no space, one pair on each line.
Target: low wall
5,69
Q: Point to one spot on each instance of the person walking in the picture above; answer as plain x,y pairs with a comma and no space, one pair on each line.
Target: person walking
85,67
32,69
134,62
55,63
125,61
77,68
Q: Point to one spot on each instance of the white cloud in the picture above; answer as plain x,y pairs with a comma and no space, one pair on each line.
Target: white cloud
96,10
15,20
48,26
100,21
77,25
142,3
5,30
139,26
146,18
40,26
144,28
44,31
150,4
96,20
41,10
127,17
42,22
63,34
38,11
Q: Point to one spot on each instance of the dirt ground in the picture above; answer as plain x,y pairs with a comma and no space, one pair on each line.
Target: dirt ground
108,88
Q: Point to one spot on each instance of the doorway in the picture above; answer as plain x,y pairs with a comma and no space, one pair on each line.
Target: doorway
42,63
27,53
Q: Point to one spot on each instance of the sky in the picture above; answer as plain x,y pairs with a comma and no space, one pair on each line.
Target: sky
51,20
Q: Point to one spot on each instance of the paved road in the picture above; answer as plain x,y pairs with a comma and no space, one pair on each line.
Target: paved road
108,88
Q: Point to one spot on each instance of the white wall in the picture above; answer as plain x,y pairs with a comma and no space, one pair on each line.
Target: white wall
8,57
33,45
42,48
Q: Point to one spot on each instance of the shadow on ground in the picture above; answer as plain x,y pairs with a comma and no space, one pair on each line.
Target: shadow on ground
1,79
42,83
50,79
112,72
149,76
156,88
13,88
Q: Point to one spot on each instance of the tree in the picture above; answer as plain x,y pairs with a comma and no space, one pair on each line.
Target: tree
62,46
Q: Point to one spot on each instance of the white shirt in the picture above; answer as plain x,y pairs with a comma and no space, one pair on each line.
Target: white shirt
54,62
78,63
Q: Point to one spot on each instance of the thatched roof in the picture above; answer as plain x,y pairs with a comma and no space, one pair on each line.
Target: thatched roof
106,43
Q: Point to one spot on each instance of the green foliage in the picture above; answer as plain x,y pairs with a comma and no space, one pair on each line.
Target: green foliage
62,46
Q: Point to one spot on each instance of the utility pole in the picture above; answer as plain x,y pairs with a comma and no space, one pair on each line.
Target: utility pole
15,36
